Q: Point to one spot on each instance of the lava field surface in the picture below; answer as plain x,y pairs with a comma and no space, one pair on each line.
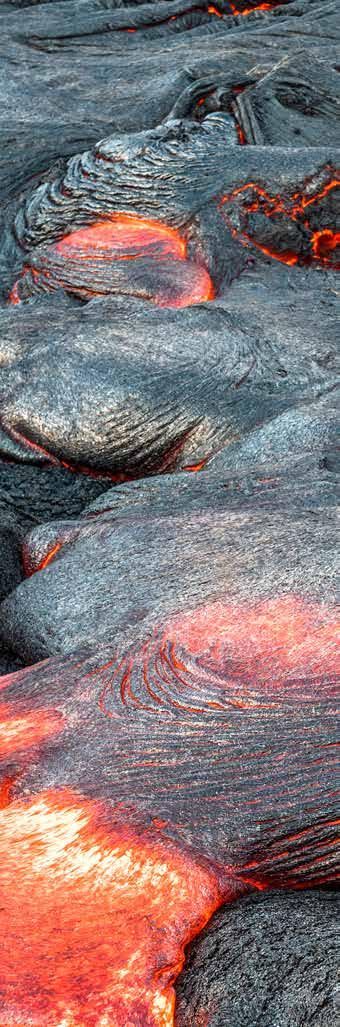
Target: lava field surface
169,469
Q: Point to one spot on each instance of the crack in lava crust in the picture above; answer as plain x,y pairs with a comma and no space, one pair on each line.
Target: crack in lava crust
250,211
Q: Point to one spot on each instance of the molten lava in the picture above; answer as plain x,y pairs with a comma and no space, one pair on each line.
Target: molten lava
268,5
97,915
124,237
46,560
88,253
324,243
98,908
241,136
273,637
196,467
21,731
252,654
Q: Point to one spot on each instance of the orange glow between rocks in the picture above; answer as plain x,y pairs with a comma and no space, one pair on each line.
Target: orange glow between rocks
46,560
173,17
322,243
98,916
14,297
196,467
241,136
56,462
266,6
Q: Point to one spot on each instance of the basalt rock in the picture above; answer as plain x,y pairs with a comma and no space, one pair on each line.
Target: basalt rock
293,104
127,388
270,958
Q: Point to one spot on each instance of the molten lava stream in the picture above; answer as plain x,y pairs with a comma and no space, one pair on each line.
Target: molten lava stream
124,235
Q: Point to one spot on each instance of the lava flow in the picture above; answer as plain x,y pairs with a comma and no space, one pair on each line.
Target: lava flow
124,237
21,731
98,915
251,653
96,260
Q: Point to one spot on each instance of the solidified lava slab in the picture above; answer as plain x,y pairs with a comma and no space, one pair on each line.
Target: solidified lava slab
255,962
169,249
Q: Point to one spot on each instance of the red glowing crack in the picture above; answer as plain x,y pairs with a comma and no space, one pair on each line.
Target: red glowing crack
323,243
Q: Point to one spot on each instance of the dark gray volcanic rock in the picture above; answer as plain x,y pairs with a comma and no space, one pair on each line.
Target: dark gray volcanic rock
269,959
10,562
292,105
122,387
29,495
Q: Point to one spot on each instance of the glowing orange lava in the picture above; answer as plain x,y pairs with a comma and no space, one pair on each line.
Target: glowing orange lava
97,916
323,244
196,467
126,238
14,297
173,17
46,560
272,637
20,732
266,6
241,136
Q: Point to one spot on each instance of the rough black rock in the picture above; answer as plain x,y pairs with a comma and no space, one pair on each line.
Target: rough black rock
269,959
